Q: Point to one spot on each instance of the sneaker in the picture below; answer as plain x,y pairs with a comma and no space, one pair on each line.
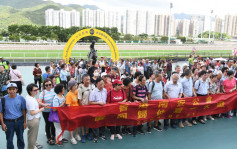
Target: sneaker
95,140
73,141
65,140
157,128
140,131
119,136
181,125
148,129
166,128
112,137
39,146
83,139
229,117
59,143
174,126
211,118
205,119
103,138
188,124
202,121
124,131
128,130
78,138
88,137
194,122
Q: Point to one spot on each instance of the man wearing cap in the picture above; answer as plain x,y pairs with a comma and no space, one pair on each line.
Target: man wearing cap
13,116
5,63
98,97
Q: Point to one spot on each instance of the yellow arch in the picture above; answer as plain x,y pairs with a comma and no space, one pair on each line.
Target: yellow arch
90,32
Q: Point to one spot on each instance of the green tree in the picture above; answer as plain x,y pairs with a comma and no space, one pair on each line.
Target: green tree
127,37
53,36
44,38
183,39
1,38
33,38
14,38
164,38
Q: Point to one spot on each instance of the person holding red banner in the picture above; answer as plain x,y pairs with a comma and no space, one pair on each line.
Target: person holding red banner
155,92
45,100
140,93
202,89
117,94
173,89
59,101
229,85
98,97
72,100
127,87
84,92
188,91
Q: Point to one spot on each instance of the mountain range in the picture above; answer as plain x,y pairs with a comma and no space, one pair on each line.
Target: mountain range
33,11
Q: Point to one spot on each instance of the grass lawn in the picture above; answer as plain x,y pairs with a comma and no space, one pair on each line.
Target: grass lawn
122,53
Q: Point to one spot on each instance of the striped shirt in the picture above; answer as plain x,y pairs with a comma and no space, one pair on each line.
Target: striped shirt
47,99
140,91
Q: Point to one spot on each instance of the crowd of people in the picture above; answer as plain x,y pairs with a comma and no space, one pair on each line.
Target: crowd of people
103,82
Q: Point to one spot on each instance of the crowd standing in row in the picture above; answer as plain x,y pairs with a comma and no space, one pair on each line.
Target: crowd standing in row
103,82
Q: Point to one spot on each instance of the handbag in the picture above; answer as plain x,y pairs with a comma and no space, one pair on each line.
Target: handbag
53,116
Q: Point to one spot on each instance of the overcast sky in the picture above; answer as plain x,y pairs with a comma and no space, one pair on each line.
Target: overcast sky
203,7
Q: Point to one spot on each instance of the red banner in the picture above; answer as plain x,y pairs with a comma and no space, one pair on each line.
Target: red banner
94,116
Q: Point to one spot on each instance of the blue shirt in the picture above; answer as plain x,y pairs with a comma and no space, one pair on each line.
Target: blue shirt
201,87
45,75
13,107
187,86
63,75
157,92
127,69
145,65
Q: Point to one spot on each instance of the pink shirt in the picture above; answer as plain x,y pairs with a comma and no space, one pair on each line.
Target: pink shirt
229,85
14,75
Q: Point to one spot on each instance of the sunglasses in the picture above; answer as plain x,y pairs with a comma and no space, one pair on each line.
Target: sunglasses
35,90
48,85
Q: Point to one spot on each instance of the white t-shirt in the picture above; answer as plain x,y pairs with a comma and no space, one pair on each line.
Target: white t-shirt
141,69
31,104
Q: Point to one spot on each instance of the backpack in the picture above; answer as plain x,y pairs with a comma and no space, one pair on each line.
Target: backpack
153,85
3,106
83,91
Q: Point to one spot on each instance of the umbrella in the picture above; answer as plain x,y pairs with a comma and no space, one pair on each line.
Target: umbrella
219,59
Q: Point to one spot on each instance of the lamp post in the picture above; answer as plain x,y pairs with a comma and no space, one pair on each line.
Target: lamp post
169,27
210,29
